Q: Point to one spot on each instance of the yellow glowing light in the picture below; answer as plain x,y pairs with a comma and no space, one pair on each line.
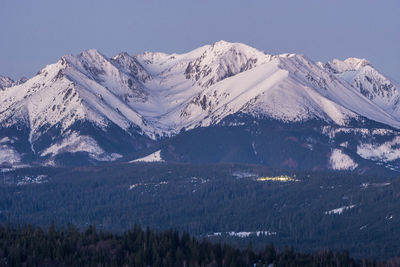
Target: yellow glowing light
282,178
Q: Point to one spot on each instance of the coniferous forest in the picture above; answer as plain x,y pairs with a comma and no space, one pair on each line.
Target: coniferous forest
313,212
30,246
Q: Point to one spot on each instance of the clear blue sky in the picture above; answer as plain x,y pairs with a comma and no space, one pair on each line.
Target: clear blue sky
38,32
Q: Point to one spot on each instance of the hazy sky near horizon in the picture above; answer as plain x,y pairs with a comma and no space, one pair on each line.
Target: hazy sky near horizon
36,33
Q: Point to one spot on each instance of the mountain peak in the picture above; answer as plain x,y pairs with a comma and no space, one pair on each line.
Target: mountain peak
122,55
5,82
356,63
227,46
222,43
91,52
131,66
349,64
222,60
368,81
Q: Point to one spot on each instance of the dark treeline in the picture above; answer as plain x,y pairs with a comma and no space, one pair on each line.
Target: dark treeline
29,246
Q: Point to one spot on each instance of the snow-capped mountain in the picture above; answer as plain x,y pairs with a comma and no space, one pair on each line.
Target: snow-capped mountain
78,92
92,107
288,88
369,81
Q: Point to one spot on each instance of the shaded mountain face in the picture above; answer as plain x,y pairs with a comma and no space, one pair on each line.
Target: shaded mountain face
362,146
89,108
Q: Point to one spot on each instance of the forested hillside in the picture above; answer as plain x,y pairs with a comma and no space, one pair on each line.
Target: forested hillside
29,246
222,202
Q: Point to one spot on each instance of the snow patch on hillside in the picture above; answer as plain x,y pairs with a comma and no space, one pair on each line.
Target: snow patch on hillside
366,185
248,234
388,151
341,161
8,155
340,210
38,179
243,234
153,157
80,143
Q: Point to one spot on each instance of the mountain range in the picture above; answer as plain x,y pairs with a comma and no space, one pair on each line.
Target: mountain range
225,102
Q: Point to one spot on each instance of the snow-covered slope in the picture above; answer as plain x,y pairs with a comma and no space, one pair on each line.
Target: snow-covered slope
95,105
223,60
76,89
341,161
369,81
178,79
287,87
153,157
